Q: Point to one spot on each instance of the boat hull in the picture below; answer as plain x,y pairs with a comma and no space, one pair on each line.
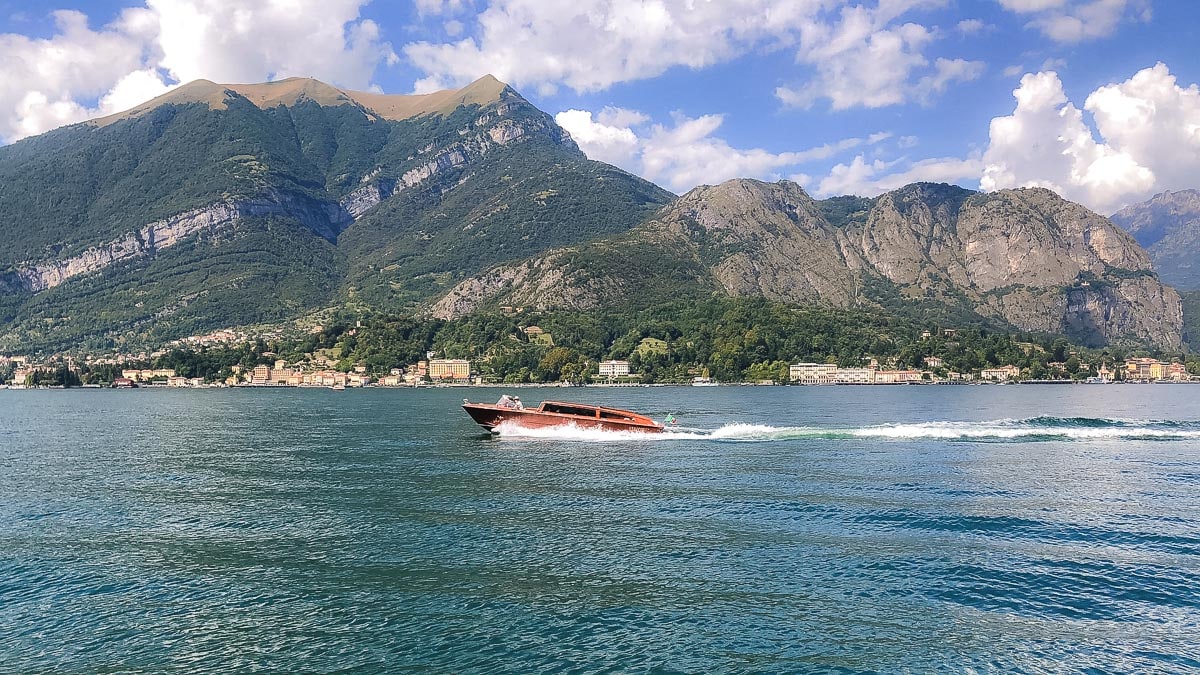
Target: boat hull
490,416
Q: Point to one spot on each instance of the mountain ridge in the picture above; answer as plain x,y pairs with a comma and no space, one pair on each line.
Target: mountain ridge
219,204
293,90
1026,258
1168,226
86,209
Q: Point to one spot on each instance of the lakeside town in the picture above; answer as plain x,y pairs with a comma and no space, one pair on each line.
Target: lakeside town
614,372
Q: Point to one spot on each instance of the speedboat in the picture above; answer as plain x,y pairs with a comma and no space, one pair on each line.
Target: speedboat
556,414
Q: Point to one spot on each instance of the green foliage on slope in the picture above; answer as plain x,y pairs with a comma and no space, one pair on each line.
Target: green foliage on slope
729,339
1191,318
196,286
79,187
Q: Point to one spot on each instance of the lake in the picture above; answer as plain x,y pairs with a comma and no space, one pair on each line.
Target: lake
776,529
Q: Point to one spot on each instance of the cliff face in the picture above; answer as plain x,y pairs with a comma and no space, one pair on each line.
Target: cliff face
760,239
1168,226
1025,257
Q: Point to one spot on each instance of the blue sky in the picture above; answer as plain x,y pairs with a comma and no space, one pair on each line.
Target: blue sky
1096,99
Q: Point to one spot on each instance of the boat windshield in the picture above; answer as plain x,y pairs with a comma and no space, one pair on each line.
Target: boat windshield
568,409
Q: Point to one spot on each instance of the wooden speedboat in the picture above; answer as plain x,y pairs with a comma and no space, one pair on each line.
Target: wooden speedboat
557,413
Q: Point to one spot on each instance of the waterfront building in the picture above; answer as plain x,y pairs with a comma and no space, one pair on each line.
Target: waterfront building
854,376
449,369
1001,374
148,374
812,373
1143,369
260,375
612,369
897,376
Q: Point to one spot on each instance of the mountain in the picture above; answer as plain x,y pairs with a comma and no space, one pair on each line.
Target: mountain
1014,258
219,205
1168,226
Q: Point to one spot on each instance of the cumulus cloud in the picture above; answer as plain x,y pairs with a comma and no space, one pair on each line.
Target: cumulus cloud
1071,21
43,81
1149,129
604,139
80,73
687,152
861,55
588,45
862,60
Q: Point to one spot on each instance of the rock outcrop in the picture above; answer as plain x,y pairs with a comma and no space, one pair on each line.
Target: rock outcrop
323,218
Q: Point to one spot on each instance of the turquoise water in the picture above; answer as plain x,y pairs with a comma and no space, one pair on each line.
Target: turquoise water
1021,528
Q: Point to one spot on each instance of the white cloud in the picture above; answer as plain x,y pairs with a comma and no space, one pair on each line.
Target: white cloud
43,81
864,61
621,117
1071,21
1149,130
946,72
861,55
1027,6
588,45
234,41
687,153
605,140
81,73
970,26
872,178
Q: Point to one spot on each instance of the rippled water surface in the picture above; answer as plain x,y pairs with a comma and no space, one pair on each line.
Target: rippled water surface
1028,528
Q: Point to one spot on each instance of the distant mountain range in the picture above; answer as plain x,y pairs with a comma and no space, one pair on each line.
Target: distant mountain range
221,205
1168,226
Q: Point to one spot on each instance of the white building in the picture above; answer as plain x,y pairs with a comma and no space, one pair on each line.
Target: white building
812,373
854,376
611,369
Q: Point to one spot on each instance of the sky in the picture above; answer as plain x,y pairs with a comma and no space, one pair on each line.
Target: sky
1095,99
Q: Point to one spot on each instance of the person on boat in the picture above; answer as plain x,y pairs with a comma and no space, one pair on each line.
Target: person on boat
517,401
507,401
671,419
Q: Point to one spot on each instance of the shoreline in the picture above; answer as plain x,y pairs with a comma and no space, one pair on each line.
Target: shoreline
527,385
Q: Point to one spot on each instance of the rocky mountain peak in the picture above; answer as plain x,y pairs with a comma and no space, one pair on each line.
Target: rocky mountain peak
1168,225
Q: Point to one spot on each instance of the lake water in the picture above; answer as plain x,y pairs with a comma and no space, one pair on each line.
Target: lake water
779,529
